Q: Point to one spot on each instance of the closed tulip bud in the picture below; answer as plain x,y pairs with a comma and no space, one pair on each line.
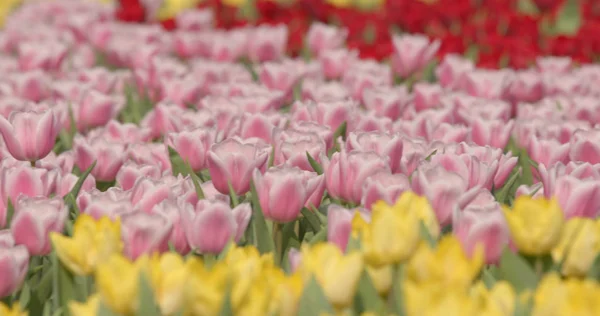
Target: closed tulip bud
30,135
92,243
213,224
193,145
150,154
279,182
486,228
232,162
145,233
451,71
346,173
109,157
33,221
130,172
578,246
22,180
535,224
14,263
338,274
96,109
171,209
412,53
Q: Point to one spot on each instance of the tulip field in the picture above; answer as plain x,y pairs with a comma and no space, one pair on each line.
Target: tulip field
200,158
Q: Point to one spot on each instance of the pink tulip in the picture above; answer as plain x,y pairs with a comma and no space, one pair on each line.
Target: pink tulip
578,198
195,20
526,87
280,76
31,85
384,186
322,132
181,91
96,109
474,171
146,193
171,209
34,219
113,203
268,43
330,114
427,96
322,37
506,165
255,126
63,162
386,145
583,170
66,183
339,224
448,133
6,239
145,233
444,189
291,148
232,162
22,181
164,118
47,56
536,190
99,78
346,173
334,62
365,74
14,264
548,151
130,172
450,72
487,84
488,229
109,157
555,65
211,193
280,182
150,154
585,147
369,122
29,135
322,91
213,224
412,53
386,101
124,133
494,133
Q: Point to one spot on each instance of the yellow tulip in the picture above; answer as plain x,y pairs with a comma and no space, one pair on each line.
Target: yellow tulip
412,202
6,7
580,243
287,291
338,274
117,281
15,310
392,236
435,299
168,275
359,225
504,296
381,277
205,288
499,301
89,308
535,224
555,296
431,265
170,8
93,242
340,3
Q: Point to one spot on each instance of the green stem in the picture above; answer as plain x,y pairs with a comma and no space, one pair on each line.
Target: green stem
278,241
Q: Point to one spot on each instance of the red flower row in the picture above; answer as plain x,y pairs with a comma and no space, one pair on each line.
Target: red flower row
501,32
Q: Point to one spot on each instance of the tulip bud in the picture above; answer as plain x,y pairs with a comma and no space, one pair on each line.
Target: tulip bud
384,186
383,144
146,193
130,172
487,228
171,209
150,154
145,233
15,263
30,135
412,53
578,198
109,157
193,146
96,109
33,221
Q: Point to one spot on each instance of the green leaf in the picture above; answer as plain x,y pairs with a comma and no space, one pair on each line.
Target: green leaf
75,191
501,196
64,285
104,310
367,298
340,131
263,239
314,164
226,307
488,279
397,294
248,65
196,181
313,300
353,244
568,20
425,235
313,219
517,271
319,237
428,158
25,295
10,212
594,271
527,7
428,73
147,305
271,158
232,195
472,53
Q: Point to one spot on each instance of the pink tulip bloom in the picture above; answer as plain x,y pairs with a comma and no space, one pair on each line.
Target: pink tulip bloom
548,151
268,43
578,198
99,78
387,101
113,203
96,109
322,37
339,224
109,157
171,209
334,62
6,239
536,190
386,145
63,162
150,154
488,229
473,170
146,193
232,162
427,96
450,72
47,56
30,135
22,181
181,91
527,86
213,224
384,186
145,233
489,84
495,133
14,264
66,183
412,53
283,192
125,133
321,131
32,85
130,172
330,114
346,173
195,20
584,146
34,219
555,65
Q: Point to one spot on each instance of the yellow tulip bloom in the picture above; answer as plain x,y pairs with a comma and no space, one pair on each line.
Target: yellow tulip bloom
15,310
338,274
287,291
205,288
381,277
6,7
555,296
170,8
411,202
168,275
580,243
93,242
117,281
535,224
89,308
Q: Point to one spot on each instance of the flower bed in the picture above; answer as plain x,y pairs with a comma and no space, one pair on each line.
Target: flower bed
205,172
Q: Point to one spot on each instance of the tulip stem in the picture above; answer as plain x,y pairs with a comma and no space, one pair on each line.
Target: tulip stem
278,241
